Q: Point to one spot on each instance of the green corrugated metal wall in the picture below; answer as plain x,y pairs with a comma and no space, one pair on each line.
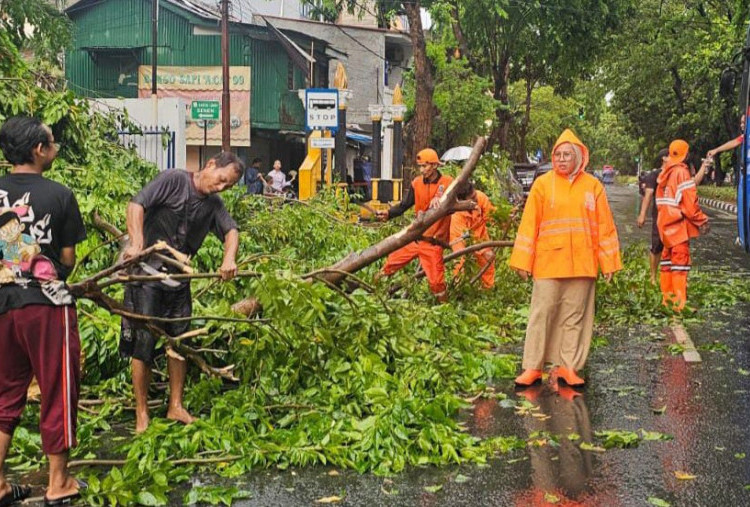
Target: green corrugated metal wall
127,24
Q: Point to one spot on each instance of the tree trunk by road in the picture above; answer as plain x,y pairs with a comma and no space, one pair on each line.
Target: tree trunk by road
501,79
421,123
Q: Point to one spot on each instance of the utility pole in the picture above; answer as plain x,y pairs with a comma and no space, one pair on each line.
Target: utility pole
225,134
154,37
154,59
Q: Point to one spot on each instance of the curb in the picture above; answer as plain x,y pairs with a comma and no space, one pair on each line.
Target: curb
721,205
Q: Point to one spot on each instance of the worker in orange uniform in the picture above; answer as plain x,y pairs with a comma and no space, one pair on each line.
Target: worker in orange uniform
567,235
424,194
473,224
680,218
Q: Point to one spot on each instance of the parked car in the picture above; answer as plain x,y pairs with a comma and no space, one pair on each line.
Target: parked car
523,176
608,174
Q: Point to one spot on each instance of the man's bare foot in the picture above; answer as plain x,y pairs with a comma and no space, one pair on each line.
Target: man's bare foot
70,487
141,423
4,488
180,414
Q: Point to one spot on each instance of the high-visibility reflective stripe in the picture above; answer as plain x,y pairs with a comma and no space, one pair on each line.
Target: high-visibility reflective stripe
686,184
666,201
561,221
525,239
550,232
681,268
551,223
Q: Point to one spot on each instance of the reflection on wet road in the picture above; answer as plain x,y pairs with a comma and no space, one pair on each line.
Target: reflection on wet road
560,469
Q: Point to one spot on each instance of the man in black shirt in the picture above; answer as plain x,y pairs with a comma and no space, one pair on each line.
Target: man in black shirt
40,225
180,208
647,187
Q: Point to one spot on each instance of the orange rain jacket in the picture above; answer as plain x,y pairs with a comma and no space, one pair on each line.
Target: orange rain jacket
677,201
474,221
421,194
567,228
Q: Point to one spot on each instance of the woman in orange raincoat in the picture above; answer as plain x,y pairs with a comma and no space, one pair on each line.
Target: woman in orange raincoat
567,235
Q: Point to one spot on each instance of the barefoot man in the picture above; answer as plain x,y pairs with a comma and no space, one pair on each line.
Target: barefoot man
180,208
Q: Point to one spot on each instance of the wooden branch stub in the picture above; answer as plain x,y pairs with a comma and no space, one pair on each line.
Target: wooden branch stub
248,307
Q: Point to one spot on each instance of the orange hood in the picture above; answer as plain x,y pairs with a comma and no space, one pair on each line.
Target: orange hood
569,137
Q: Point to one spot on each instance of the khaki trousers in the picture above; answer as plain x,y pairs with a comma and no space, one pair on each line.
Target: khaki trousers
561,322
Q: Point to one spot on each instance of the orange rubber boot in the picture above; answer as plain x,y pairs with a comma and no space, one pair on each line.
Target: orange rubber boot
528,377
667,290
570,377
679,284
568,393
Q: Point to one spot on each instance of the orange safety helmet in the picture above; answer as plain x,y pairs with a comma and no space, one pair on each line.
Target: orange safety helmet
428,156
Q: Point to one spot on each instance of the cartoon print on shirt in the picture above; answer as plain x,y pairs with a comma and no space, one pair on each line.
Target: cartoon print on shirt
17,249
21,260
39,229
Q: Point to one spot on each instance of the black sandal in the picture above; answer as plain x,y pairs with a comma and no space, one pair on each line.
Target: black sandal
66,500
17,493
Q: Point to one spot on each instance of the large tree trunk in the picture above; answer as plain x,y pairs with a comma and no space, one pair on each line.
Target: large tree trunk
501,79
524,130
421,123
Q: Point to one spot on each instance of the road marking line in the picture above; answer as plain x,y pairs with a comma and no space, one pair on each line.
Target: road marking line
683,338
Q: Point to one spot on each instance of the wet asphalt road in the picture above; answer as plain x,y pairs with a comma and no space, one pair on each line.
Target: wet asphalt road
705,407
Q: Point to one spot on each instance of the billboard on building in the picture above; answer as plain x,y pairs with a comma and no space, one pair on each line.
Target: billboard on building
204,83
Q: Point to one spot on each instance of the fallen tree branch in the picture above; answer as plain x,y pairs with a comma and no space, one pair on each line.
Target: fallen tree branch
475,247
153,318
185,268
446,205
95,294
171,276
176,462
110,229
482,271
355,278
79,289
336,288
192,334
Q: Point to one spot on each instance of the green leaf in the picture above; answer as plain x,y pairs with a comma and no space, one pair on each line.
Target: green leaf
147,498
433,489
585,446
658,502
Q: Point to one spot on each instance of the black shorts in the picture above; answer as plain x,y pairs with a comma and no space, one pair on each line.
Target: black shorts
656,245
151,299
